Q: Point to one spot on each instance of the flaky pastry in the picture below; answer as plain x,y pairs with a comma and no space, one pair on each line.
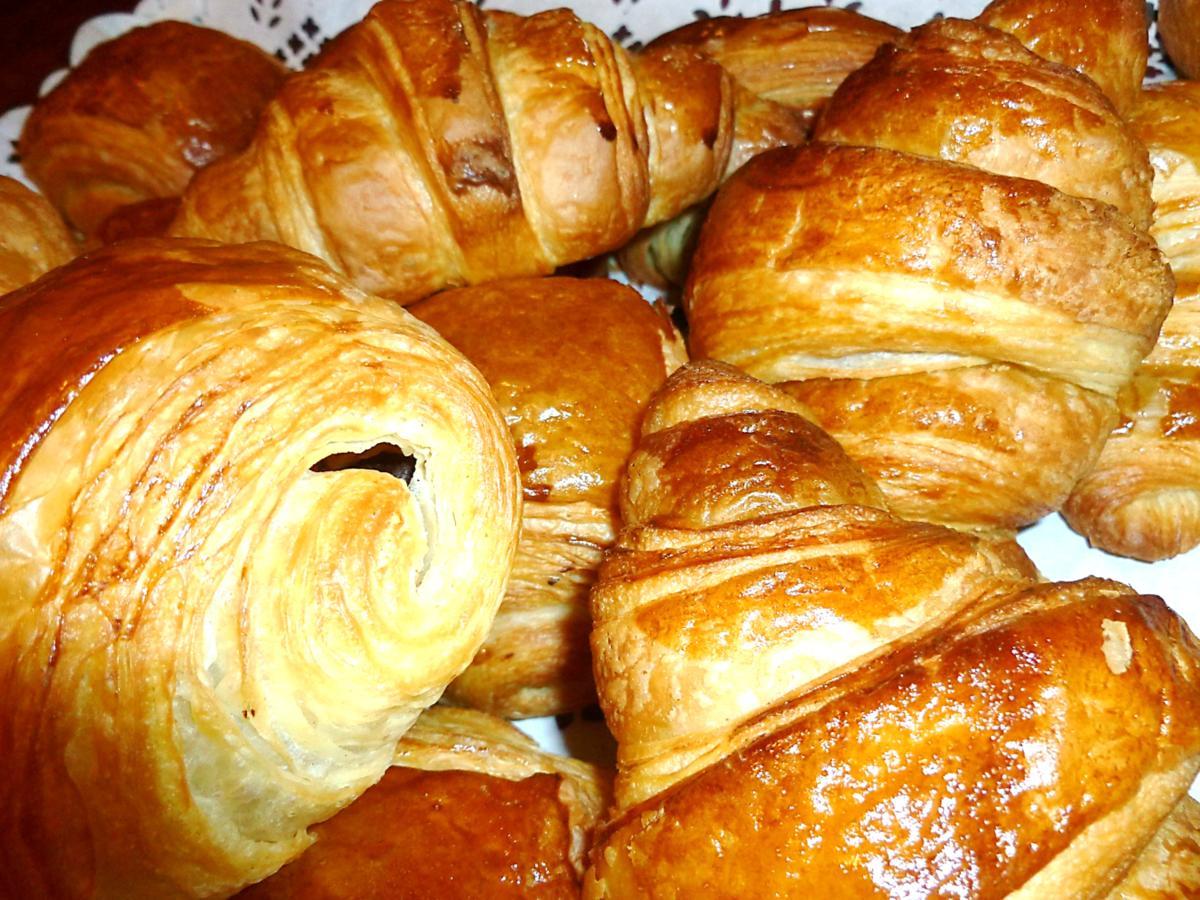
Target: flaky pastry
252,522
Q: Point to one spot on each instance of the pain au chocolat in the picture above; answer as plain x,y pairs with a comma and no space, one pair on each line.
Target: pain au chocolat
252,522
572,362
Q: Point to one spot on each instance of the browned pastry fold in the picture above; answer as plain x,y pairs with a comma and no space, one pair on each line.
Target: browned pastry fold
141,114
1142,499
571,362
434,145
939,724
252,522
1179,29
964,335
1103,39
33,238
471,808
963,92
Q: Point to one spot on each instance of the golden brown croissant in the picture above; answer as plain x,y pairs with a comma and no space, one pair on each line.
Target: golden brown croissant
1142,499
1179,28
140,114
812,693
434,145
964,335
1103,39
963,92
572,362
252,522
33,238
471,808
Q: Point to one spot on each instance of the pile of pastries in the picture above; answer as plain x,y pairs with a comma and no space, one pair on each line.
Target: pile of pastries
316,467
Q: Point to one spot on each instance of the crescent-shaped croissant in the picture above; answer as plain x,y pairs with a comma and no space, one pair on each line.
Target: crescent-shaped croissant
572,362
141,114
252,522
1142,498
434,145
963,334
809,692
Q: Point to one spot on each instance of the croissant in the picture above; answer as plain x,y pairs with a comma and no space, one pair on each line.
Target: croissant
964,335
1142,498
140,114
572,362
808,691
1103,39
33,238
434,145
252,522
471,808
963,92
1180,32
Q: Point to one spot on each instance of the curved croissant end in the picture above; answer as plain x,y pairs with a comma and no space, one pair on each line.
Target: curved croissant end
1180,32
1142,498
815,692
252,521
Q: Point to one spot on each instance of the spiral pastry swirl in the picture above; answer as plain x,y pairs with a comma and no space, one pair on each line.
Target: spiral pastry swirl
252,522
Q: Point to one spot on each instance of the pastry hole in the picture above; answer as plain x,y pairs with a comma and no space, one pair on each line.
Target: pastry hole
381,458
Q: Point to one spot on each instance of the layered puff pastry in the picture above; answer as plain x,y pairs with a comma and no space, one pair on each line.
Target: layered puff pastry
471,808
434,145
964,92
964,335
140,115
1142,498
252,522
33,237
572,363
811,693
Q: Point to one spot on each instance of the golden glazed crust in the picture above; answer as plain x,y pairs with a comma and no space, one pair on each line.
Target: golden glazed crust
1103,39
572,363
890,275
140,114
942,724
216,625
471,808
33,238
433,145
963,92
